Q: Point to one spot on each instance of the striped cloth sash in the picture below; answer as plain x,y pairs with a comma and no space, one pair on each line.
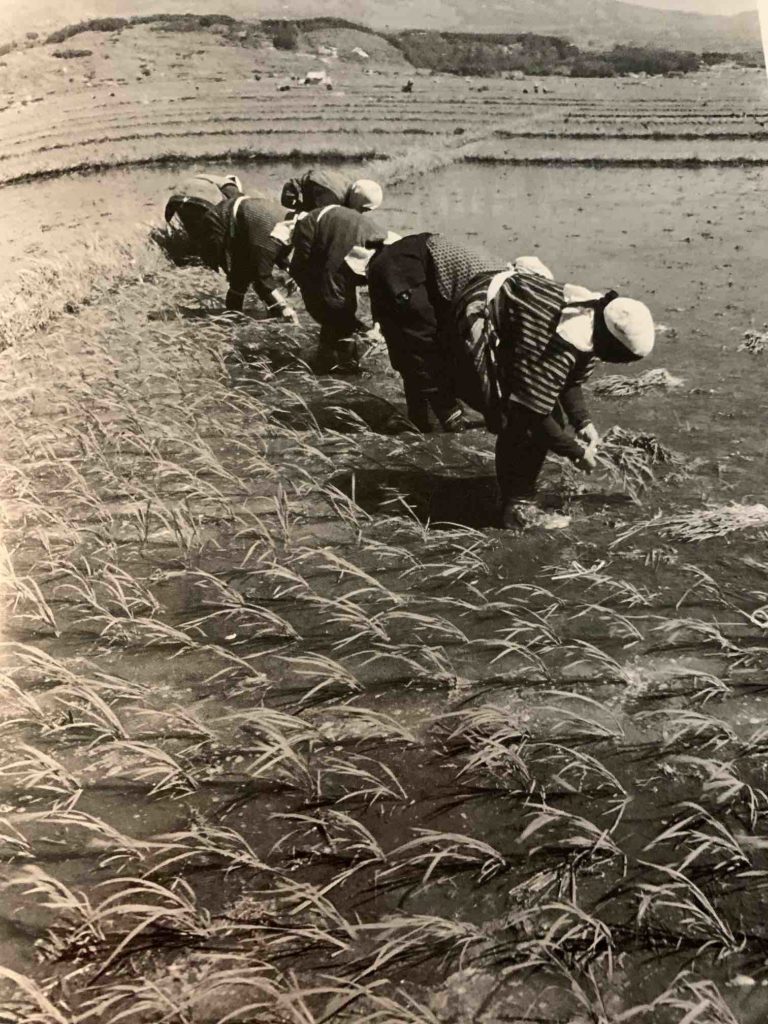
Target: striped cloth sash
507,337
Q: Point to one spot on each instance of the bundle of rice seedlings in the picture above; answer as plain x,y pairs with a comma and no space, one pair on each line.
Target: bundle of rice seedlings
618,386
619,444
630,456
705,523
755,342
718,521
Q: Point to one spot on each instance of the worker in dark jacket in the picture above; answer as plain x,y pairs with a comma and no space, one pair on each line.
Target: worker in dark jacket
318,188
413,284
236,238
512,344
321,241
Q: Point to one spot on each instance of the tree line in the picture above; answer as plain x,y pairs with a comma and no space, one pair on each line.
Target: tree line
462,53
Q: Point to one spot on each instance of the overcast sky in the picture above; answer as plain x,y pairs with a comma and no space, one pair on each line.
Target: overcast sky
701,6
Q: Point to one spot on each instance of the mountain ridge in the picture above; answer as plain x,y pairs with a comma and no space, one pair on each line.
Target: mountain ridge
588,23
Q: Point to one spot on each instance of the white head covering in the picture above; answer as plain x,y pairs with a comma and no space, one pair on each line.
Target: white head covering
533,265
365,195
632,323
358,257
628,320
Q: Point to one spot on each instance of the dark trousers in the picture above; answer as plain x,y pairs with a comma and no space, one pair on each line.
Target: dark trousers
520,455
407,307
339,323
256,270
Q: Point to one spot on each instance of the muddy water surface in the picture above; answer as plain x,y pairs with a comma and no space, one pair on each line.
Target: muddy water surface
605,735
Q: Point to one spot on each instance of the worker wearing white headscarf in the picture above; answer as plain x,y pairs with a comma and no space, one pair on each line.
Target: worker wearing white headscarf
525,345
318,188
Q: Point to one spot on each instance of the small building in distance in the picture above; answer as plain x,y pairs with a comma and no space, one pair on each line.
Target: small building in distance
317,78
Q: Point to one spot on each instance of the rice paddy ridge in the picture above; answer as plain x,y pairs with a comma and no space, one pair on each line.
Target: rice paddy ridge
97,128
280,747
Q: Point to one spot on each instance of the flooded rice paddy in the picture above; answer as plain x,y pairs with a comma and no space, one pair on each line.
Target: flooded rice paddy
296,734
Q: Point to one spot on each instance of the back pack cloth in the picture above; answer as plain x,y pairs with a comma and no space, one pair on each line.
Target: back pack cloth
506,327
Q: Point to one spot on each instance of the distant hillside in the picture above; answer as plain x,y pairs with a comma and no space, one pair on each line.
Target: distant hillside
592,23
331,38
588,23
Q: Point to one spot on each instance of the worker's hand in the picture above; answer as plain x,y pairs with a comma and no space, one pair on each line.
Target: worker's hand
589,435
289,316
588,462
454,421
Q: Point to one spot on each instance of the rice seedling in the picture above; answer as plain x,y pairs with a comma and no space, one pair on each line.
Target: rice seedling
38,770
721,782
358,779
432,852
28,710
695,915
283,751
622,590
146,906
234,609
706,836
589,715
340,834
24,592
112,845
169,997
575,769
685,727
207,844
698,999
148,765
36,1007
12,843
83,711
348,721
415,939
699,632
583,839
106,589
703,584
333,678
620,386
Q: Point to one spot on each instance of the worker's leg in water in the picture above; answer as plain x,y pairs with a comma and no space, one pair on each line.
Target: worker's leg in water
337,346
520,455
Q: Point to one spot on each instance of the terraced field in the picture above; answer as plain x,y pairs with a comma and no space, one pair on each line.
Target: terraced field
293,733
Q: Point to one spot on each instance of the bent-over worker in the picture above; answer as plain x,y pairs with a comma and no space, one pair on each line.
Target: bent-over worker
321,241
413,285
318,188
194,197
237,238
525,345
